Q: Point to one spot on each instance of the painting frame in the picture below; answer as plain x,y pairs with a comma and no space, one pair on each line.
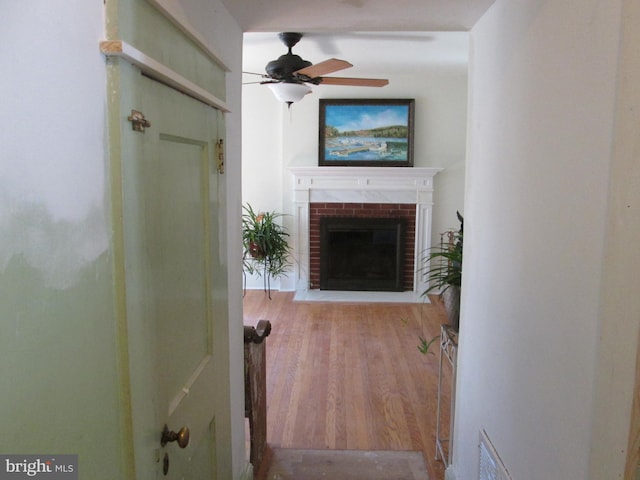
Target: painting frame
369,142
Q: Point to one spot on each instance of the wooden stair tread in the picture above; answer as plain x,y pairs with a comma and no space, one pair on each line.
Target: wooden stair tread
321,464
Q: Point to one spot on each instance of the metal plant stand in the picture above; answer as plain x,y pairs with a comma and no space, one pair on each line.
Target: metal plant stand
266,278
448,352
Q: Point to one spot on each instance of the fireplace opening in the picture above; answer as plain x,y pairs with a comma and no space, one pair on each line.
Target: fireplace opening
363,254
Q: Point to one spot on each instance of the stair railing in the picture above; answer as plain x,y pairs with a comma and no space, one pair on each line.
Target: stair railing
255,390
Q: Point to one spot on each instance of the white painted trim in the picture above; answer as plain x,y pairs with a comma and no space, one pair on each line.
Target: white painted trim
178,19
160,72
309,295
247,473
449,473
368,175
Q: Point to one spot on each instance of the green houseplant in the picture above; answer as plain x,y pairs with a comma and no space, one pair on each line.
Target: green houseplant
443,269
265,247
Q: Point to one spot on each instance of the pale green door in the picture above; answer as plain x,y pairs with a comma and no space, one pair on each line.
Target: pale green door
170,224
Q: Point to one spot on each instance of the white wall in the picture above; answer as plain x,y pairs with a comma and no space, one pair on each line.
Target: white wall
620,304
275,138
542,77
262,159
51,125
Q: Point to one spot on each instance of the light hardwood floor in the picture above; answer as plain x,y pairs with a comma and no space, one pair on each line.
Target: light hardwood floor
350,376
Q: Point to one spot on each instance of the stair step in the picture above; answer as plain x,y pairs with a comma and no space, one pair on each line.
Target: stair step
310,464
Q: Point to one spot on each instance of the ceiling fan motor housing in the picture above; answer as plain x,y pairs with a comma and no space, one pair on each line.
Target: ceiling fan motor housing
284,67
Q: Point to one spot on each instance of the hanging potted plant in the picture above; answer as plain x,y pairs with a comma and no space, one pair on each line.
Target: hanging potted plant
443,268
266,249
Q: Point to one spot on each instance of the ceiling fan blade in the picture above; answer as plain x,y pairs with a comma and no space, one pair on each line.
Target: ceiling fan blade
322,68
354,82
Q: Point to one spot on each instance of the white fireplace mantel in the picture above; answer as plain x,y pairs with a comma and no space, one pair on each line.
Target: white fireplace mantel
406,185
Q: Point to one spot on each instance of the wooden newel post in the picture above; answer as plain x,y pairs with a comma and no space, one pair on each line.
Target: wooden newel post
255,389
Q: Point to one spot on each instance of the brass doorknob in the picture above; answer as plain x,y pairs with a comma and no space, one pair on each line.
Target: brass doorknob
182,437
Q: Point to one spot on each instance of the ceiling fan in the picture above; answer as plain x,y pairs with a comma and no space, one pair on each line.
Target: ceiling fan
289,75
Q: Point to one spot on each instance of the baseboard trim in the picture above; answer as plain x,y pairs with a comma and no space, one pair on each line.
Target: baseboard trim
449,474
247,473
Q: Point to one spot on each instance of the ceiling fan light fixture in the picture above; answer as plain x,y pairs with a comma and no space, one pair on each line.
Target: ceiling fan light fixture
289,92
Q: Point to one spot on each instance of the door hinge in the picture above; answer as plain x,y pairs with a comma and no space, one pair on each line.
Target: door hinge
138,122
220,156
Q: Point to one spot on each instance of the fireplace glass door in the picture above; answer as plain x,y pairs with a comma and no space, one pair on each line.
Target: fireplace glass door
364,254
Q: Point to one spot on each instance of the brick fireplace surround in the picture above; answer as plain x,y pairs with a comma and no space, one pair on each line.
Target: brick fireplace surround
361,210
369,192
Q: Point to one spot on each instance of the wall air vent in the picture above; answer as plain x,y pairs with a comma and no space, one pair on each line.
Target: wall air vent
491,467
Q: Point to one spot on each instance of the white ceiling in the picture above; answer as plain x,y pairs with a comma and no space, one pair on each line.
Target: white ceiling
371,53
376,36
356,15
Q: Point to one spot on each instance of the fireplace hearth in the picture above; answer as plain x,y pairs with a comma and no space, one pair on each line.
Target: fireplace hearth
362,254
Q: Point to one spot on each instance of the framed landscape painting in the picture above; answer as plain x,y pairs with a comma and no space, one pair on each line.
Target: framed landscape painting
366,132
